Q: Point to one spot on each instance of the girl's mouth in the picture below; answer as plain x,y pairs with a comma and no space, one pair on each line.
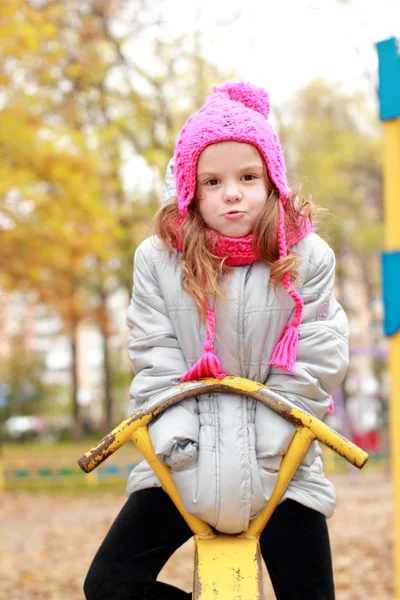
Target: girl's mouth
234,214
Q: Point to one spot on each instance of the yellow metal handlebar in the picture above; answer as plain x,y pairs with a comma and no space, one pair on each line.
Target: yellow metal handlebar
235,385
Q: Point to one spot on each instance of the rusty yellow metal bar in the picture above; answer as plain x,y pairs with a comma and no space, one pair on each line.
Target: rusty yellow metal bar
236,385
229,568
326,435
112,442
142,439
290,463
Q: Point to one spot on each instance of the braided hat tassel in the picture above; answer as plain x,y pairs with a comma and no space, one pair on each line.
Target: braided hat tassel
208,364
285,352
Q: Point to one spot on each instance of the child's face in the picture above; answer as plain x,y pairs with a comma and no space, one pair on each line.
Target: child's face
232,187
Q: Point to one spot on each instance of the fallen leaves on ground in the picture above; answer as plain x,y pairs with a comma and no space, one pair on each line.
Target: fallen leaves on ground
48,541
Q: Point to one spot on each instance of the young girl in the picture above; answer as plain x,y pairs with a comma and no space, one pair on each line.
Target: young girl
234,282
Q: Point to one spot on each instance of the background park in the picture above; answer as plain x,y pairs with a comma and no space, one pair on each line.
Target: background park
92,96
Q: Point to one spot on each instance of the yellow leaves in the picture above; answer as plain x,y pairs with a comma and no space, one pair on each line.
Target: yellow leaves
74,70
59,176
27,38
23,28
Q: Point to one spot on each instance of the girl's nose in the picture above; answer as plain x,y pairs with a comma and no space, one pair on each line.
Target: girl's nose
232,194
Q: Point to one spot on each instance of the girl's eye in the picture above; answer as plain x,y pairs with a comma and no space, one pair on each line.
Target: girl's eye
248,177
213,181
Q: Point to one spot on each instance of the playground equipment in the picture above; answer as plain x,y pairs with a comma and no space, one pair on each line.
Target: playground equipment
389,105
225,566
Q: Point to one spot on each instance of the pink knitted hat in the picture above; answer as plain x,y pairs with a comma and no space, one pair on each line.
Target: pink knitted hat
238,112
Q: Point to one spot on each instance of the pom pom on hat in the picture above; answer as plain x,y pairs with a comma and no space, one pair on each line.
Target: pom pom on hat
247,94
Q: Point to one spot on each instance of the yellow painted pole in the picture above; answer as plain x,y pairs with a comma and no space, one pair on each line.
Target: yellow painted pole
392,183
392,242
142,439
290,463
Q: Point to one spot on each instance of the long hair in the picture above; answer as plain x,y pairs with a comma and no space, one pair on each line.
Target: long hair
203,271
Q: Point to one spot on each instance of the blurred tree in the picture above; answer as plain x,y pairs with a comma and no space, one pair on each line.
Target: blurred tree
21,378
80,101
333,147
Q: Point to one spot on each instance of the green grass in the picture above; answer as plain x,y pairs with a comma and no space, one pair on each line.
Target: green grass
55,451
53,466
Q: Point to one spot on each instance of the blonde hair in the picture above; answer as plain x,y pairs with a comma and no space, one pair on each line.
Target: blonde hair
203,271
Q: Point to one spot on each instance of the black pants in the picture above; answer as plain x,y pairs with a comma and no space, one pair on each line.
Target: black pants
295,547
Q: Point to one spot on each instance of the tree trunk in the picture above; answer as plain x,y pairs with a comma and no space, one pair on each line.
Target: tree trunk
76,417
108,416
103,321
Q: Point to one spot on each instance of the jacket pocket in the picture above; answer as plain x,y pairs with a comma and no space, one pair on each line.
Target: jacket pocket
183,456
273,433
268,481
186,484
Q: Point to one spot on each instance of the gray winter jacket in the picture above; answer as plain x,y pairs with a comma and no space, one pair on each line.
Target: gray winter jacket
225,450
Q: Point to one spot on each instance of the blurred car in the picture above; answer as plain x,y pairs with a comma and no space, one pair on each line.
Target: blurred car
23,427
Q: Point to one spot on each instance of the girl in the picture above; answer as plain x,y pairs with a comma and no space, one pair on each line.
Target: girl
235,282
